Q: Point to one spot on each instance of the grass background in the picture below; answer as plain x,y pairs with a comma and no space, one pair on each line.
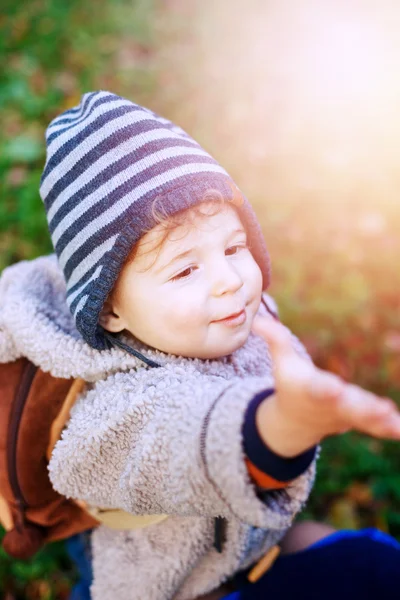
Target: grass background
332,225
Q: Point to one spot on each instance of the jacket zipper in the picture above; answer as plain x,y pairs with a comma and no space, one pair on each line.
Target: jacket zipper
20,398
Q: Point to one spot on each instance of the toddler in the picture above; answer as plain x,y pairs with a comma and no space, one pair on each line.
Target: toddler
201,413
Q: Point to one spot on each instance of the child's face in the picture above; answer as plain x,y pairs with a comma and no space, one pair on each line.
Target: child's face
194,296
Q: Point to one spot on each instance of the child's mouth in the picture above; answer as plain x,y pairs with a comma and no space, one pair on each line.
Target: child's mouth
234,320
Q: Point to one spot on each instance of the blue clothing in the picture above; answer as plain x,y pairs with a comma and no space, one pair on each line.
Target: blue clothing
78,548
345,565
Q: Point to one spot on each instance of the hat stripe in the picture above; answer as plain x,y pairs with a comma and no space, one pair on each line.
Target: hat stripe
90,177
135,132
80,305
90,261
100,107
75,293
76,109
76,148
63,125
73,114
173,127
76,141
110,184
82,282
69,115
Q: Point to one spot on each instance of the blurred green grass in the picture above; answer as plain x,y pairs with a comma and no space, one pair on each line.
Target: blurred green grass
334,255
51,53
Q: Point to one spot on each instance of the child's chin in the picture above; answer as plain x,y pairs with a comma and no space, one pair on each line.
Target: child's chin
224,349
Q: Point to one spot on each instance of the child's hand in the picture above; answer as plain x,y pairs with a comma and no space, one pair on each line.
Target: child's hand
311,404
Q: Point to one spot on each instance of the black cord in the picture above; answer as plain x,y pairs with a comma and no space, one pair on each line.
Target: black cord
114,341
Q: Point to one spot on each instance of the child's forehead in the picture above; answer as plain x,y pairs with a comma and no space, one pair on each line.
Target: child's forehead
192,225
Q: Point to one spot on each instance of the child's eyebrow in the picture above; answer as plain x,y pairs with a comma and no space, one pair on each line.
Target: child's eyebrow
174,259
238,230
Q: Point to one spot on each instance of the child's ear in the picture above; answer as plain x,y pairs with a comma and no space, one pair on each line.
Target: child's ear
110,320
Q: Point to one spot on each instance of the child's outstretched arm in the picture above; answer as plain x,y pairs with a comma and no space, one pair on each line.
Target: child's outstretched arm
311,404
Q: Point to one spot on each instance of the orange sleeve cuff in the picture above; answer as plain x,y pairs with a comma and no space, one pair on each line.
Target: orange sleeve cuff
262,479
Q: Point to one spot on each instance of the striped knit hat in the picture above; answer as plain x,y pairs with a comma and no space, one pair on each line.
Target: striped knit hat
107,160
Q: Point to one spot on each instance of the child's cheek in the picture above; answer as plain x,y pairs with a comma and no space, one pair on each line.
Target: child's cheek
185,311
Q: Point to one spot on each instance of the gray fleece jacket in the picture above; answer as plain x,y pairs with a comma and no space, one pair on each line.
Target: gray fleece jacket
162,440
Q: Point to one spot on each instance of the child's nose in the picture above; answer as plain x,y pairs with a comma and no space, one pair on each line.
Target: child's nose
226,279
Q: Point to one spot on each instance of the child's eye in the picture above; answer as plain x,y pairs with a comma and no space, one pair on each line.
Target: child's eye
235,249
185,273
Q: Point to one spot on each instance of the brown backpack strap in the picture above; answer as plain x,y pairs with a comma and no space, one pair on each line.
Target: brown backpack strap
6,519
61,420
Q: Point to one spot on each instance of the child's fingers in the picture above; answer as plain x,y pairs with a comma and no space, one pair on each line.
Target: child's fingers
366,412
292,372
386,422
388,427
274,333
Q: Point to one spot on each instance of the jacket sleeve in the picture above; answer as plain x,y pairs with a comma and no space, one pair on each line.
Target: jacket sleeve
169,441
